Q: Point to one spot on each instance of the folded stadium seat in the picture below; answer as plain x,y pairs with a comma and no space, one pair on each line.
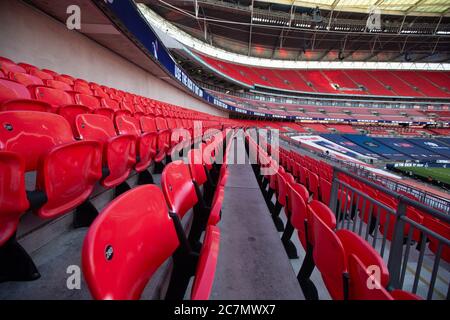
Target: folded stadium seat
139,110
7,66
44,142
65,78
27,67
98,92
301,221
180,194
442,229
313,185
54,97
119,155
40,74
15,96
164,137
331,252
25,79
14,203
51,72
55,84
126,108
360,277
141,237
280,198
291,187
146,144
109,108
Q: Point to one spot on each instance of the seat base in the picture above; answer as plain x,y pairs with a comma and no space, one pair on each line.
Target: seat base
84,215
15,263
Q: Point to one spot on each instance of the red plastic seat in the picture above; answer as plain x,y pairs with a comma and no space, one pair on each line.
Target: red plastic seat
10,90
178,188
25,79
206,268
8,66
331,251
148,124
82,88
119,154
146,142
196,166
130,239
40,74
359,290
55,97
45,142
299,215
13,198
313,184
325,191
15,96
58,85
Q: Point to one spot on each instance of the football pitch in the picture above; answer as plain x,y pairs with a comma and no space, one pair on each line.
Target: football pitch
440,174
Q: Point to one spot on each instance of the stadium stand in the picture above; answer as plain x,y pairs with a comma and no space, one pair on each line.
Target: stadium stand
196,199
374,82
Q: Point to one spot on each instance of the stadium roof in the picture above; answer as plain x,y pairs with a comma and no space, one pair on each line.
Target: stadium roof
412,7
407,30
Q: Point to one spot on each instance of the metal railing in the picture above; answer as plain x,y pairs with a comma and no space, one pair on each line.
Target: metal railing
425,197
400,230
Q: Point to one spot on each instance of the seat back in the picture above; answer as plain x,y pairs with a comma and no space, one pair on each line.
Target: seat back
281,187
13,198
66,170
127,243
25,79
148,124
178,188
161,123
299,214
360,277
32,134
196,166
110,104
206,267
87,100
128,125
58,85
10,90
9,66
40,74
52,96
94,127
313,184
325,191
328,251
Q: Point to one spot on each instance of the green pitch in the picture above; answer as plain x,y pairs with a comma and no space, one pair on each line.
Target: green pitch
441,174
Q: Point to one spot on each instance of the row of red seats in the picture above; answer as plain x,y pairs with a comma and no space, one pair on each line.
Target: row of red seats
317,176
341,256
160,235
44,90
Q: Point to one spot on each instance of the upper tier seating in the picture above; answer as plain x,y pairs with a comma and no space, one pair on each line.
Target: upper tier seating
349,82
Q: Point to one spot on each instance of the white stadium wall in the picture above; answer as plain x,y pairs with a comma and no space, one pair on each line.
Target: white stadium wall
28,35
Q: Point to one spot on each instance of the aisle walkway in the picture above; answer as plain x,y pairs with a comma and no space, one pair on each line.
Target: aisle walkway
252,261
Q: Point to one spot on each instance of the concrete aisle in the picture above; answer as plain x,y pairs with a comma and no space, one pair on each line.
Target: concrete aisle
252,262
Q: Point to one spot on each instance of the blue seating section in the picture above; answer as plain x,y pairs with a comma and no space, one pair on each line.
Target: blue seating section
409,148
434,145
340,140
